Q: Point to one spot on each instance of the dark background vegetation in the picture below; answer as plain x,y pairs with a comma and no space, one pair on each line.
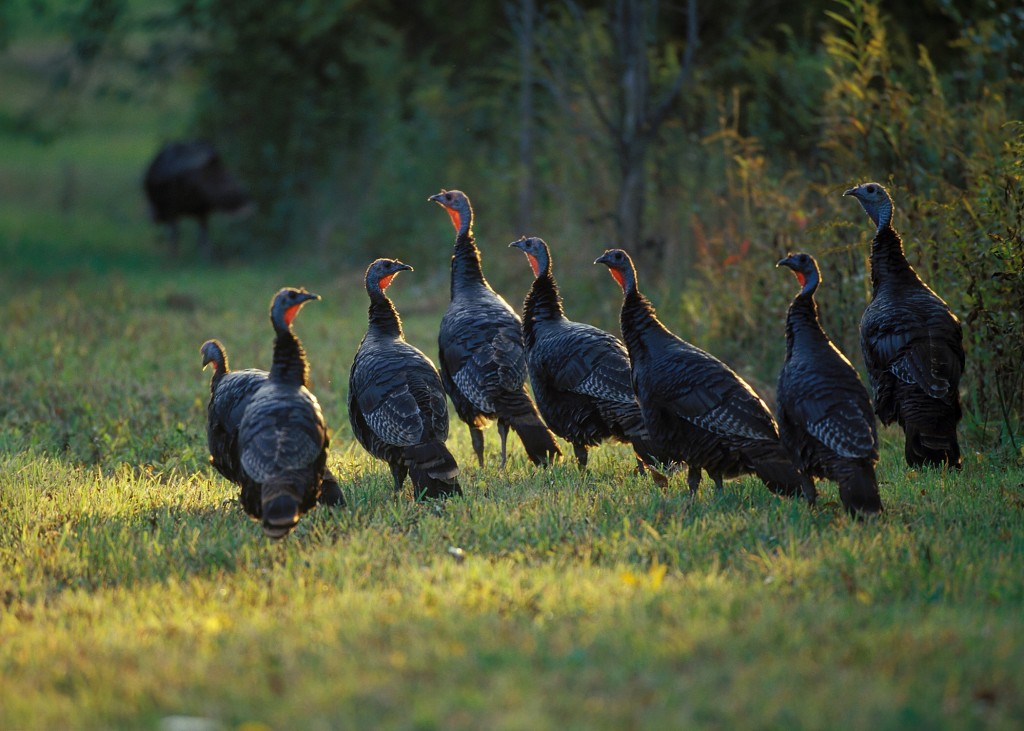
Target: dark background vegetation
707,138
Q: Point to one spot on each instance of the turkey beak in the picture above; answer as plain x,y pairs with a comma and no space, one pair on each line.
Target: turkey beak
517,244
304,297
436,198
851,191
787,262
400,267
601,259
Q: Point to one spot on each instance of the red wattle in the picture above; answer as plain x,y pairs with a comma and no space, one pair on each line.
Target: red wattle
534,264
456,218
617,276
385,281
290,314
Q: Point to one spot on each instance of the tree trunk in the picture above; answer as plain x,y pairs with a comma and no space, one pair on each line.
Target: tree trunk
524,27
630,28
630,204
626,107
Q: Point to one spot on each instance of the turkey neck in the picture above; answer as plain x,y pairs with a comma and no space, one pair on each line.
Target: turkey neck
384,318
638,320
218,376
542,303
467,272
889,265
802,324
289,364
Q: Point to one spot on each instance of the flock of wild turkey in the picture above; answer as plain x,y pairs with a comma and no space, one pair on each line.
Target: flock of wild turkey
671,401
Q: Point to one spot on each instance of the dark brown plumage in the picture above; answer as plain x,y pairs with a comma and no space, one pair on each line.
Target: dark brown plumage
396,403
483,361
912,343
825,418
230,392
697,410
579,373
282,439
189,179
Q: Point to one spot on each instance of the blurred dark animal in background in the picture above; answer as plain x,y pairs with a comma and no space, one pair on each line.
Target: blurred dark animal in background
190,179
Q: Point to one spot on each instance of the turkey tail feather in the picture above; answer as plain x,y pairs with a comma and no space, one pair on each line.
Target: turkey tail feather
781,476
280,515
858,489
932,445
433,470
537,439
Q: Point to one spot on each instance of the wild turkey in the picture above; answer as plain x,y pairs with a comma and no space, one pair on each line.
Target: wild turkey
230,392
912,343
696,409
825,418
190,179
579,373
282,440
483,361
396,403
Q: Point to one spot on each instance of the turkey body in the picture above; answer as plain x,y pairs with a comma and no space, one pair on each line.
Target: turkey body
230,393
189,179
825,418
482,356
912,344
698,410
282,438
396,402
283,444
579,373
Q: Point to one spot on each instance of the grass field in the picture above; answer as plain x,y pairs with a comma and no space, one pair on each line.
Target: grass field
134,591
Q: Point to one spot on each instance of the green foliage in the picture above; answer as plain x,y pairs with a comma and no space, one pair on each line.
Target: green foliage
956,168
310,82
991,272
360,112
943,147
351,124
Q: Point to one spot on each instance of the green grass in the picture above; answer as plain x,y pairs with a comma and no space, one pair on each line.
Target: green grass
132,587
132,593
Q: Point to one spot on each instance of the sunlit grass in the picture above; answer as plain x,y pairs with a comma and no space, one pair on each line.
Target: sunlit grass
132,587
595,602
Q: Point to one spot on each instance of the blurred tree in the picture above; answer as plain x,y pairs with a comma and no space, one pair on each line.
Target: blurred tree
523,19
94,23
6,25
282,83
609,70
588,119
300,93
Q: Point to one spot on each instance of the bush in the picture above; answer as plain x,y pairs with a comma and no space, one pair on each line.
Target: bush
942,146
